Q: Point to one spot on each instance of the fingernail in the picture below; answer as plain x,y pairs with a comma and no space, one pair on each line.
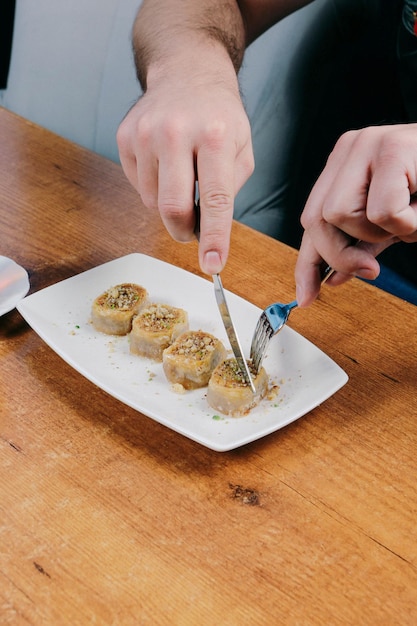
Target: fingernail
212,262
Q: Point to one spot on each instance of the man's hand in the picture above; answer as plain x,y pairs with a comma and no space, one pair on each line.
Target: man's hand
176,135
189,126
364,194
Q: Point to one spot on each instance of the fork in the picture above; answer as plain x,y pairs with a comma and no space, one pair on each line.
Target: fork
270,322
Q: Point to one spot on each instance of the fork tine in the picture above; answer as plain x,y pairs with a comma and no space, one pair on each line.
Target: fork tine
259,354
257,337
262,335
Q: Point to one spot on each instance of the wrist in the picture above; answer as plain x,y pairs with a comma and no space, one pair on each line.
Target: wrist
199,64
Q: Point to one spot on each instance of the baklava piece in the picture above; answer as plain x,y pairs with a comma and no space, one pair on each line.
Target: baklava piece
191,359
230,394
155,328
112,312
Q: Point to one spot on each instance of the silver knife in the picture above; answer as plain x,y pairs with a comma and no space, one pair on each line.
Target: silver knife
231,332
225,315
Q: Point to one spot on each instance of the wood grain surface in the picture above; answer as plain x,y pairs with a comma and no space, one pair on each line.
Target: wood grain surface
109,518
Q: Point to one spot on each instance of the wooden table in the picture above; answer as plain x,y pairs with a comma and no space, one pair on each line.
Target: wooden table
110,518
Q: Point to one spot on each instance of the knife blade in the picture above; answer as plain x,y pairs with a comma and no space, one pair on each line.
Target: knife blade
231,332
225,314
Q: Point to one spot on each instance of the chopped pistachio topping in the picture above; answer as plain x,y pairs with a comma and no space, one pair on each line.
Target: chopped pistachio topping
195,344
231,375
121,297
159,317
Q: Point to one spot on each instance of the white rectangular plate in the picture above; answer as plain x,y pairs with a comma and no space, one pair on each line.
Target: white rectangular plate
60,314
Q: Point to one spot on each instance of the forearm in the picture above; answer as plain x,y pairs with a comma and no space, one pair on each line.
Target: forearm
164,33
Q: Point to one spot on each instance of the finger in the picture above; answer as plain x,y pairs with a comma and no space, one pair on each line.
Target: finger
307,272
134,138
216,180
332,248
345,204
342,253
176,190
389,198
126,152
370,197
412,237
332,245
327,184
